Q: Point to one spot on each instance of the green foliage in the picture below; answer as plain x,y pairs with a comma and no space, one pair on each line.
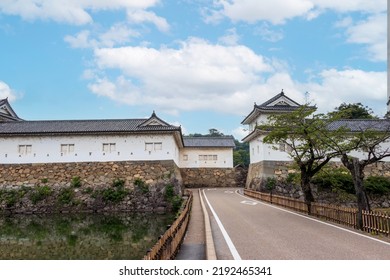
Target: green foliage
334,178
241,154
11,197
113,195
353,111
75,182
44,181
66,196
169,192
141,185
116,193
377,185
118,183
170,196
293,178
40,193
270,183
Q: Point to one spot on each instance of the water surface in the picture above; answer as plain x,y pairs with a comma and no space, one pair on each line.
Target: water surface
80,236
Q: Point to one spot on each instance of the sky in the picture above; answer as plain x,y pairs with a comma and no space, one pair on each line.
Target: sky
200,64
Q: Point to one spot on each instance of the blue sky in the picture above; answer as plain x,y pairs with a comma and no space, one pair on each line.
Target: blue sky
199,64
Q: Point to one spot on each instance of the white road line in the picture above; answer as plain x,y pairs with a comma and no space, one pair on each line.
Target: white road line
229,242
315,220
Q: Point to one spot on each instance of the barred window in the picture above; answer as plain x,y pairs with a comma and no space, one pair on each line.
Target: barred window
109,147
25,149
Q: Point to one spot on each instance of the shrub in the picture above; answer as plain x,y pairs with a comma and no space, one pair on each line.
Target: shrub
377,185
270,183
118,183
113,195
174,200
66,196
75,182
11,197
141,185
169,192
40,193
334,178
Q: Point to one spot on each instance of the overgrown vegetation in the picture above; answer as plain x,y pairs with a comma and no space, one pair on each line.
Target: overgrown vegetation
75,182
66,196
40,193
341,179
116,193
174,200
141,185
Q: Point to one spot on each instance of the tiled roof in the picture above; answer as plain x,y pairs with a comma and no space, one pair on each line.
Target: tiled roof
208,141
276,97
356,125
11,116
80,126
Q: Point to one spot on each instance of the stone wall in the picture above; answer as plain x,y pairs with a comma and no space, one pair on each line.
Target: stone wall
49,187
280,170
213,177
258,174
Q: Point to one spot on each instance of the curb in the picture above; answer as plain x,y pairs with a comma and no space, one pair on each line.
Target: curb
210,248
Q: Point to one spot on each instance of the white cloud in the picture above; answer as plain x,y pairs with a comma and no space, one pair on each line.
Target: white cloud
141,16
372,6
279,11
231,37
197,75
203,76
7,92
350,86
69,11
240,132
274,11
118,34
268,34
373,33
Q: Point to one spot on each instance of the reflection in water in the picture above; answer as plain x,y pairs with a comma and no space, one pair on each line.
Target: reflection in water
80,236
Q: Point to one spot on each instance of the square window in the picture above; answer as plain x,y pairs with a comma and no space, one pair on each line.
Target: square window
158,146
148,147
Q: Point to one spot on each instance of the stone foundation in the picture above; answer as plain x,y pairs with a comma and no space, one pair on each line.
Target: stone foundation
213,177
259,172
49,187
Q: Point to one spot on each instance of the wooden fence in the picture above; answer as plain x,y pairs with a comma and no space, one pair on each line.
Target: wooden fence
168,245
373,222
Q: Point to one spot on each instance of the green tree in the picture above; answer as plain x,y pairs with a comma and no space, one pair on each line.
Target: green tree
214,132
241,154
353,111
368,138
304,138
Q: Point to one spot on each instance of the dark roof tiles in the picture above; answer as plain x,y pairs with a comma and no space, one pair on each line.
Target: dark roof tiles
80,126
356,125
209,141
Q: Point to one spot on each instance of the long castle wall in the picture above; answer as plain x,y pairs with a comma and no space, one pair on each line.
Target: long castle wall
49,187
19,183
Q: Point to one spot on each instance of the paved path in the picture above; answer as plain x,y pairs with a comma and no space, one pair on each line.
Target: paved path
244,228
193,246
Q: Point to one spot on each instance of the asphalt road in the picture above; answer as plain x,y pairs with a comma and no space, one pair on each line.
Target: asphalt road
258,231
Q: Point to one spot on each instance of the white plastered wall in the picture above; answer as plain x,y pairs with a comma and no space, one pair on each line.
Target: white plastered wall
47,149
189,158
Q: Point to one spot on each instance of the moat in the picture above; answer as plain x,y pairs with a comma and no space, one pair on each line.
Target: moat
92,236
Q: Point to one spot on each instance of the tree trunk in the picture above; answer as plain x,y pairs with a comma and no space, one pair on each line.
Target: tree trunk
306,188
357,171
